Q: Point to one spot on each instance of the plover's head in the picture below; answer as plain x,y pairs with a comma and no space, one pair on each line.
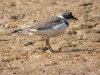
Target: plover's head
67,15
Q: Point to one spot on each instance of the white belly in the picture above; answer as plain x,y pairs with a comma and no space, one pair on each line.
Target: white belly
52,32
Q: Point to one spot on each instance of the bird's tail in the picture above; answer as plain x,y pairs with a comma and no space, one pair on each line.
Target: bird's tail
15,31
23,31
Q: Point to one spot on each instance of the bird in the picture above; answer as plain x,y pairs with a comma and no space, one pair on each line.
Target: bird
51,27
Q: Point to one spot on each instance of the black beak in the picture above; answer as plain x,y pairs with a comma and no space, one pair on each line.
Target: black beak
74,18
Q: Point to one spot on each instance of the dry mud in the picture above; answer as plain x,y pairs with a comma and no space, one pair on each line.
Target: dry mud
79,45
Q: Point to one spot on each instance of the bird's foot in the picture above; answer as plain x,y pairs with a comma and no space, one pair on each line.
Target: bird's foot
50,50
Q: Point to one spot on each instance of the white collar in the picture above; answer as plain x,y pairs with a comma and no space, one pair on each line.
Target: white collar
62,17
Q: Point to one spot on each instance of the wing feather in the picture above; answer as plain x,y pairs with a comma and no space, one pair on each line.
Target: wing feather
47,24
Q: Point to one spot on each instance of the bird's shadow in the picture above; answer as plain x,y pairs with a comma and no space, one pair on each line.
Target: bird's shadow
78,50
70,50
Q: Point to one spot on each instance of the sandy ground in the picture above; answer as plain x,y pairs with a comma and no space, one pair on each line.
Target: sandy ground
24,55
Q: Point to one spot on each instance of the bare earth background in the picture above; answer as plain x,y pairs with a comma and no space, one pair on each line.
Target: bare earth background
23,54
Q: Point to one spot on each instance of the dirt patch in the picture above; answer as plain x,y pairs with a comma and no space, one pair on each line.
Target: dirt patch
24,55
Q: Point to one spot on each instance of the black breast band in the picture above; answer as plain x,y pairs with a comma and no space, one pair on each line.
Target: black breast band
64,20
